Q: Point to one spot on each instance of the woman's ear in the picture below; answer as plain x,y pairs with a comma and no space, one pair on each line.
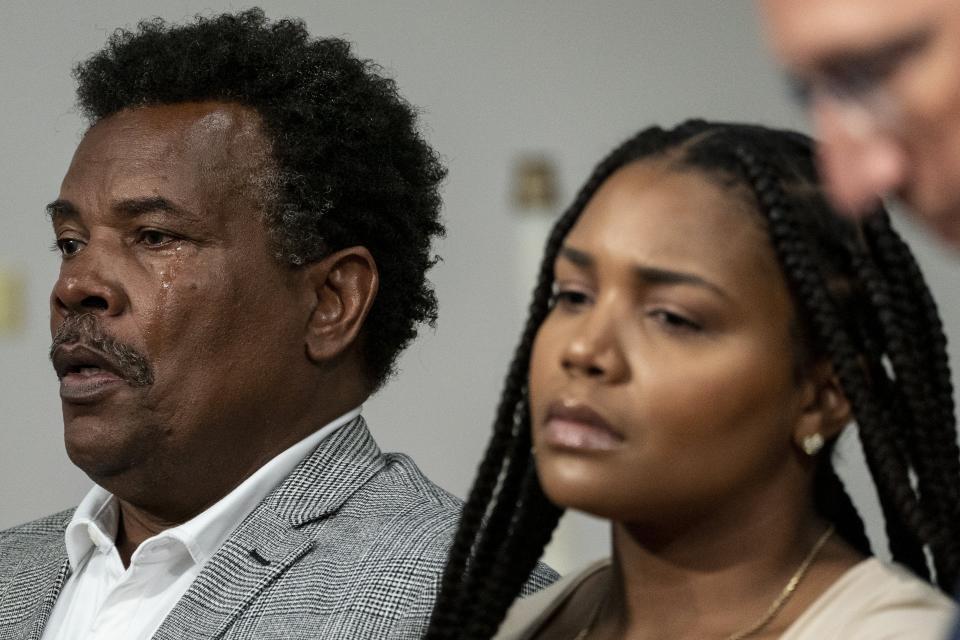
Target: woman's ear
825,410
344,286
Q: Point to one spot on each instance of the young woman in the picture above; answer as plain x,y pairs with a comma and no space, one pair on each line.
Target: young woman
703,330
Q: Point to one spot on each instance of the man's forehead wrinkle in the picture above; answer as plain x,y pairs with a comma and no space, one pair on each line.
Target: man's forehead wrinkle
200,158
127,147
183,128
116,168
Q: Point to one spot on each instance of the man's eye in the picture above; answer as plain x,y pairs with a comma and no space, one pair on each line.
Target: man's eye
857,82
845,80
849,83
68,246
154,238
864,74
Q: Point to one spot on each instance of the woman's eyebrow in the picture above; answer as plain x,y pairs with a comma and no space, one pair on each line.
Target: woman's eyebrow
658,276
647,274
577,257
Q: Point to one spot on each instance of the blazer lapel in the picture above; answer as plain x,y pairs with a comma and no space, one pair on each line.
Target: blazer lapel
28,600
234,576
272,537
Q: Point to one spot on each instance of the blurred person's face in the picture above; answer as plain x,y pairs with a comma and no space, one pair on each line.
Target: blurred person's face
663,383
881,81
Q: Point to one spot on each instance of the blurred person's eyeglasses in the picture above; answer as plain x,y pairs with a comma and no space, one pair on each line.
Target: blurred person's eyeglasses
859,87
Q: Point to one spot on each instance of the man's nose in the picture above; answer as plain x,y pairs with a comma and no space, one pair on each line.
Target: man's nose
859,161
88,284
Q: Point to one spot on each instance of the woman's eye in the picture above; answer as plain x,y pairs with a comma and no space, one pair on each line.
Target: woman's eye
570,298
674,321
68,246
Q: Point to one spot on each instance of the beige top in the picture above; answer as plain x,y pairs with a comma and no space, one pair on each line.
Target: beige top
871,601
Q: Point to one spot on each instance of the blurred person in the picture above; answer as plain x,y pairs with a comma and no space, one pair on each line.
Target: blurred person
244,232
703,329
881,81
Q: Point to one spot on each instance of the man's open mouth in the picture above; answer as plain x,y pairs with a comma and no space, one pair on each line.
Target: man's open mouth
85,362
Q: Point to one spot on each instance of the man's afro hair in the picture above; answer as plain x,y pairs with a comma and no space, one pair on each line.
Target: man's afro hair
352,166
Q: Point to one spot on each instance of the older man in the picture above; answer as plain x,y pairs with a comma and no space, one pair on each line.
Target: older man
881,79
244,230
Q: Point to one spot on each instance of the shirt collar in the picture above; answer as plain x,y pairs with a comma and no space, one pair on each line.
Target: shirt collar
94,524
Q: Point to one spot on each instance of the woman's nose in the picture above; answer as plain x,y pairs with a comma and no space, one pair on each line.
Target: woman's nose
594,350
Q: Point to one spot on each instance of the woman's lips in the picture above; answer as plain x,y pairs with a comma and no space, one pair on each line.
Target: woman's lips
576,426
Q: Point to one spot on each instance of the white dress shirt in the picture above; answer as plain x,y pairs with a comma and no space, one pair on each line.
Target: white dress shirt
101,600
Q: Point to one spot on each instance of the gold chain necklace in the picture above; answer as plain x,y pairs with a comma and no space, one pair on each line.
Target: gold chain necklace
768,615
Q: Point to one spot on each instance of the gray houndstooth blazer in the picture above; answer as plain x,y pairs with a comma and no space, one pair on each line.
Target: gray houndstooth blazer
350,546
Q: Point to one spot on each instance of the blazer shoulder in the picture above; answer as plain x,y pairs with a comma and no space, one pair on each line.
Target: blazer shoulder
17,542
403,505
402,472
54,524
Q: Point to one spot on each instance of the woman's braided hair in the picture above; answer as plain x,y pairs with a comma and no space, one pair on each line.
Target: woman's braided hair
861,303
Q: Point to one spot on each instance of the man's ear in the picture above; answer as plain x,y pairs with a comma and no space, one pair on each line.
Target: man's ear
825,410
344,286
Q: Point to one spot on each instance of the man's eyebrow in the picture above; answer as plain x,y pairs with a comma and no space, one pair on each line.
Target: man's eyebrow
646,274
129,207
60,208
133,207
881,57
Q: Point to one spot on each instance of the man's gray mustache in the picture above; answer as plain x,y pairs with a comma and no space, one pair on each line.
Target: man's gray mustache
86,329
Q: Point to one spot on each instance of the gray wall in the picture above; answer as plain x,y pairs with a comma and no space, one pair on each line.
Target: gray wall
494,79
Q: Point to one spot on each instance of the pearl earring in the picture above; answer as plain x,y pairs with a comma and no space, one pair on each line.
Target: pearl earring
812,444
